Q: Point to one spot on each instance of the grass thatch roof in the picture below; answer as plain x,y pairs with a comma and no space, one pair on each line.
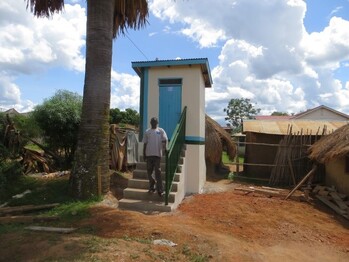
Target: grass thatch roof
331,146
216,138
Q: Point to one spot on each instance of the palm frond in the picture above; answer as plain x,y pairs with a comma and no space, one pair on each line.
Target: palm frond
46,8
129,14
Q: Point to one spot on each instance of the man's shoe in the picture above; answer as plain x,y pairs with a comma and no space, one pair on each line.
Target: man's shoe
151,191
161,194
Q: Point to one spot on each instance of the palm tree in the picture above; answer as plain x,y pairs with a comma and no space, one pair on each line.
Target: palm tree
105,20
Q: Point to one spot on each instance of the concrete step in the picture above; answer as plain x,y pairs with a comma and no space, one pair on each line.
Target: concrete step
143,166
138,193
137,198
144,206
142,174
144,184
179,168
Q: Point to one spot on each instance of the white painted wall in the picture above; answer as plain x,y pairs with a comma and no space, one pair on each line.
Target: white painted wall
195,169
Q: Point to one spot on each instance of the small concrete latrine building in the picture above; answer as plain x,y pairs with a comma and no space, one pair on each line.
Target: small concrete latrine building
167,87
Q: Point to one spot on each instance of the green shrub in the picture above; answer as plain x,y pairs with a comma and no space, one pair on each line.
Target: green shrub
10,170
59,119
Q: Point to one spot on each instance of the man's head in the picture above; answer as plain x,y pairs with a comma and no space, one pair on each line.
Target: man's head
154,122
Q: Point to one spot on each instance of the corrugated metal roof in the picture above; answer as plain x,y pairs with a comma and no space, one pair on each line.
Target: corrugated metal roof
281,127
170,60
274,118
203,62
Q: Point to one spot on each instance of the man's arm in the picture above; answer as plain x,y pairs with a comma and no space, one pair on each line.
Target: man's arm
164,139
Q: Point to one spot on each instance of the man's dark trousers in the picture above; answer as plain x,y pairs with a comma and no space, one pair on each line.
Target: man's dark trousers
153,163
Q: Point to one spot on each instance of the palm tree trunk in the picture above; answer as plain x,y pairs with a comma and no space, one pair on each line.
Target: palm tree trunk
92,154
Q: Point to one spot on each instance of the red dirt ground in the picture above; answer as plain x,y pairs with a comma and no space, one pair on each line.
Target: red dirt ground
221,225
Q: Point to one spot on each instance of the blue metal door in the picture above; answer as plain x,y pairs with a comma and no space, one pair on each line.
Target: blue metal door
170,104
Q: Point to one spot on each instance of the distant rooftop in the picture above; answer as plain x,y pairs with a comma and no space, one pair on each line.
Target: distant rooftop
282,127
321,107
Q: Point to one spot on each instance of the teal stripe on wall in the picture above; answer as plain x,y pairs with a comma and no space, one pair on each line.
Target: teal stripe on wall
194,140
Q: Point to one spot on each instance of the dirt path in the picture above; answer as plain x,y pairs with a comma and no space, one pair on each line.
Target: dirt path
220,225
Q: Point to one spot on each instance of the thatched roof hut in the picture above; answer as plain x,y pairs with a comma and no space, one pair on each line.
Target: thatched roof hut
331,146
217,139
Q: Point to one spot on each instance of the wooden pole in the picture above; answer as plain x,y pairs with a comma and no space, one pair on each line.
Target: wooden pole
310,173
291,170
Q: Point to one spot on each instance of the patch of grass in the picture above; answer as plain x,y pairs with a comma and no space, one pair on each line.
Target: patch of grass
186,250
9,228
149,253
93,244
139,240
42,191
48,191
73,211
199,258
241,160
134,256
194,257
96,244
17,187
226,160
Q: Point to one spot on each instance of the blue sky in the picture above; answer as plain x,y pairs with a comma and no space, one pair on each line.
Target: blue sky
284,55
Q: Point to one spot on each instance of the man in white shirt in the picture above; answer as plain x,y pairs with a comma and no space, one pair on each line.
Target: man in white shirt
155,140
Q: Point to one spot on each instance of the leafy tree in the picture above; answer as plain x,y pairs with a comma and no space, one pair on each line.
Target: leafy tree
105,19
27,125
276,113
239,109
59,118
115,116
129,116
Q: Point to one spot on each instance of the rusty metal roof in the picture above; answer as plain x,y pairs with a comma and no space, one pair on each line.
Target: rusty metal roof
298,126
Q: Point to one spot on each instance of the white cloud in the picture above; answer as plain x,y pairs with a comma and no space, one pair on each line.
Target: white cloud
125,91
329,47
267,54
31,45
9,92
